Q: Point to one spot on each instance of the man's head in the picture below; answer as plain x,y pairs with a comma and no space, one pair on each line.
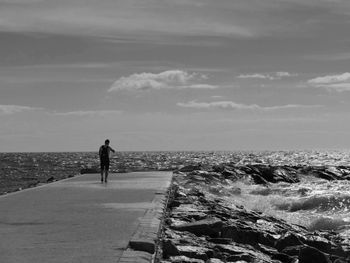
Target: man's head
107,142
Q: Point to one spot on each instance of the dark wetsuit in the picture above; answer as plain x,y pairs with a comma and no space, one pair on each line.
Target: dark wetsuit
104,157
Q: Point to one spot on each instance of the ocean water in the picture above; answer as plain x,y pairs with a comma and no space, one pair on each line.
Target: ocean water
314,203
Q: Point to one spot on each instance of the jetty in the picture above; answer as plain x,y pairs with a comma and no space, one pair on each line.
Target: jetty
81,219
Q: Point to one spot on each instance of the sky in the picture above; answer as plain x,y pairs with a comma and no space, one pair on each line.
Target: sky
174,75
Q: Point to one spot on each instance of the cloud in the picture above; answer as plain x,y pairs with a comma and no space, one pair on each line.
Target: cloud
117,17
88,113
171,79
331,79
270,76
238,106
12,109
340,82
254,76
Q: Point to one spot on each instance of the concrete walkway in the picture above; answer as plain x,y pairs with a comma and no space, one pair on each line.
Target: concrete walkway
80,219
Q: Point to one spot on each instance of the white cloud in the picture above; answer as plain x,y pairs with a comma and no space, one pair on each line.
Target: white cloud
170,79
238,106
11,109
216,104
88,113
269,76
340,82
254,76
331,79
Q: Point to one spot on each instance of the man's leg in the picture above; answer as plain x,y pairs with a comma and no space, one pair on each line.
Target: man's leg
102,169
106,175
106,171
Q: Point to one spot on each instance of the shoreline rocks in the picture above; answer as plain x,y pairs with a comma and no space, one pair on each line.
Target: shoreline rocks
204,228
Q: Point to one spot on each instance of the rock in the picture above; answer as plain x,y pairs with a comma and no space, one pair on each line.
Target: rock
287,240
169,249
292,250
210,227
319,242
274,254
194,252
246,235
202,226
312,255
242,257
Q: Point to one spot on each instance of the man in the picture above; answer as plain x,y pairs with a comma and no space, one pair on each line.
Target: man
104,153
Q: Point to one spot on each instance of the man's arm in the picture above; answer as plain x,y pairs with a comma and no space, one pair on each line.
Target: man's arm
112,149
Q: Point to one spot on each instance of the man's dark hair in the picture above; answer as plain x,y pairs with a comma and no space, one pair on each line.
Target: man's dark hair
107,141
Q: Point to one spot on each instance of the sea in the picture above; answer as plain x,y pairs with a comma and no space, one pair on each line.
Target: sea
313,202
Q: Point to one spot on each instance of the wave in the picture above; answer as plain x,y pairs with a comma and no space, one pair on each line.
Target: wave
318,203
327,223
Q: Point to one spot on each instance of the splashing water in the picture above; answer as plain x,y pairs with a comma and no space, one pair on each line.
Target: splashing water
313,203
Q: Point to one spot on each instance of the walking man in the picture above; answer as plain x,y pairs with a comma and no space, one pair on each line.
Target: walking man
104,153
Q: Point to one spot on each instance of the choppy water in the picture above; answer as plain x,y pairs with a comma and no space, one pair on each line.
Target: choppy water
314,203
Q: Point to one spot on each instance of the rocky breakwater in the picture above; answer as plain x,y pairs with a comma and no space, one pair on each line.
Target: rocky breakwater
202,226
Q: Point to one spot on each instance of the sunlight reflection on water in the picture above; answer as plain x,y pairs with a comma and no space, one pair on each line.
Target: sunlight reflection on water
313,203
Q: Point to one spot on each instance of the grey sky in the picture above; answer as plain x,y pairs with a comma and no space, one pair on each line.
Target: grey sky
174,75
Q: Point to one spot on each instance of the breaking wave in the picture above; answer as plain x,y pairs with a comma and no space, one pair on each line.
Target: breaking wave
328,223
318,203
